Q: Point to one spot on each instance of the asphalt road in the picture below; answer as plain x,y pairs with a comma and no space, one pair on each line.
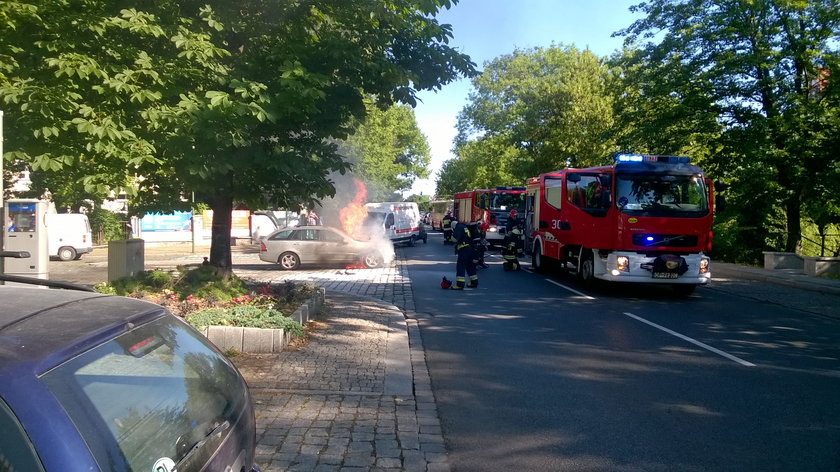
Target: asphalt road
532,372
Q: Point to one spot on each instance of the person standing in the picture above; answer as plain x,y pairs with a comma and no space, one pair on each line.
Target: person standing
478,243
464,265
446,225
513,245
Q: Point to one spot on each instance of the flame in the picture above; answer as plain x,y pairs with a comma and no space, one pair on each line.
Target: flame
353,215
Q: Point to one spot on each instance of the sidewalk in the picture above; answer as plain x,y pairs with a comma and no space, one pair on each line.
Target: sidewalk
358,395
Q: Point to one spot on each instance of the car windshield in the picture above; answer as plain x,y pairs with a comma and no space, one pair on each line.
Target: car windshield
661,195
151,393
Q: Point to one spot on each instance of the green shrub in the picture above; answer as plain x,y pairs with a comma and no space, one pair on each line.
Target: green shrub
204,282
108,223
244,315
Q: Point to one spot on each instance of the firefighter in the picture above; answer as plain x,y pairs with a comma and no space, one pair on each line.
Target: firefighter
446,225
513,245
479,244
464,265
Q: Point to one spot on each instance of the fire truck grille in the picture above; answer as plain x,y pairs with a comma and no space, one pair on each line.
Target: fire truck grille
664,240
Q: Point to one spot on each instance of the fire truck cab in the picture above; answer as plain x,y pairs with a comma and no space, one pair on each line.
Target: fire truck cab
491,206
644,219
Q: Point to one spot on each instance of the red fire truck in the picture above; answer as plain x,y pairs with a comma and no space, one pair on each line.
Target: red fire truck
646,218
491,206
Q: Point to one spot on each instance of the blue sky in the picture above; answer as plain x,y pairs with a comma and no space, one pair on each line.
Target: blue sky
486,29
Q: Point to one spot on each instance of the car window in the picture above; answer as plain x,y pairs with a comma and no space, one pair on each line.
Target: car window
16,451
150,394
308,234
329,236
389,220
283,235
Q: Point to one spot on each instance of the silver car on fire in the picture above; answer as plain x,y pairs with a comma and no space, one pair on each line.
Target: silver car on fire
322,245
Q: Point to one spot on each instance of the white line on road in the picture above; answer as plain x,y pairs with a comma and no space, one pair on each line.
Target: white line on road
692,341
571,290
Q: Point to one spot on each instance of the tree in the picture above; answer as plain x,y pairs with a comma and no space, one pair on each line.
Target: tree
761,62
538,110
389,149
224,100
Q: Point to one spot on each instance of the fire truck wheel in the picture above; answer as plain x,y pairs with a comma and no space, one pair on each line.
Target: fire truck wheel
683,290
537,261
289,261
587,269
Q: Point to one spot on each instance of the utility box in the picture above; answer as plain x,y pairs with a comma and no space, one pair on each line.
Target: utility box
125,258
25,230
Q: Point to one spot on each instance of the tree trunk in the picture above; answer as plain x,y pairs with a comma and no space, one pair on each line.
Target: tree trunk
220,255
793,212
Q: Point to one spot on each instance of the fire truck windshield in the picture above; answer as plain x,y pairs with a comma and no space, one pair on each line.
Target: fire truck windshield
505,201
661,195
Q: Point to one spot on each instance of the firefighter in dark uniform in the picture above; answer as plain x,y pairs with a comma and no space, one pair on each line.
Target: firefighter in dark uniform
513,245
478,243
464,265
446,225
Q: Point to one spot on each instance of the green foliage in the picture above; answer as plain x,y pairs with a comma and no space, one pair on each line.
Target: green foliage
244,315
224,100
203,282
767,73
532,111
108,223
389,149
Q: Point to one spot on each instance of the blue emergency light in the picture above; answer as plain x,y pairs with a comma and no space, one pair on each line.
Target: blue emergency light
650,158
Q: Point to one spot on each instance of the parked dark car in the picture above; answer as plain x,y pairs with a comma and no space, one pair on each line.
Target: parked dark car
94,382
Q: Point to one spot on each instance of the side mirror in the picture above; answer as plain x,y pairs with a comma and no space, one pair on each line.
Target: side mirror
720,203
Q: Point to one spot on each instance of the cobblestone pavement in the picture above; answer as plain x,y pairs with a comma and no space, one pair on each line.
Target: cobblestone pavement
345,401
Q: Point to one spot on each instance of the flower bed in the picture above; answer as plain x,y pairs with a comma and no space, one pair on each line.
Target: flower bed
204,300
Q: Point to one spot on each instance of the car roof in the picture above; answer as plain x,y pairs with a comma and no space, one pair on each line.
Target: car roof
44,327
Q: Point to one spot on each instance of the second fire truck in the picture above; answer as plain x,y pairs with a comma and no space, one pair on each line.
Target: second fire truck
646,218
491,207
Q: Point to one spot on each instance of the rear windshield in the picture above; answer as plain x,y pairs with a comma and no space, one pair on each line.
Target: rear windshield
151,393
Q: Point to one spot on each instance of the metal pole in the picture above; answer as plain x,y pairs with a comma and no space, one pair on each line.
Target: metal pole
2,203
192,221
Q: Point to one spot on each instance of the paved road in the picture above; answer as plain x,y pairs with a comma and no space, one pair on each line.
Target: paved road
532,372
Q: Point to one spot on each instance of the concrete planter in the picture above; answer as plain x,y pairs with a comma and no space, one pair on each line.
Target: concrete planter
821,266
262,340
783,260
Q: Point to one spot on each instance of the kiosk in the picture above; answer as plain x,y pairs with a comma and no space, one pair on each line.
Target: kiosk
25,230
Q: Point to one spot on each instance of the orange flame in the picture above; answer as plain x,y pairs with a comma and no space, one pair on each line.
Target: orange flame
353,215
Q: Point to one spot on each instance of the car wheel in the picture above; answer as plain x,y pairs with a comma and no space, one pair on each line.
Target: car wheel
289,261
411,241
372,261
66,253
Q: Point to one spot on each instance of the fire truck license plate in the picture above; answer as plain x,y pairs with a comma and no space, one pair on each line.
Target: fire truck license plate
665,275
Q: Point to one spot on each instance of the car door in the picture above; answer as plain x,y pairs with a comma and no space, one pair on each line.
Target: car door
335,248
309,246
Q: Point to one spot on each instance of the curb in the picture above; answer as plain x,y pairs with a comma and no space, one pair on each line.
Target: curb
814,284
263,340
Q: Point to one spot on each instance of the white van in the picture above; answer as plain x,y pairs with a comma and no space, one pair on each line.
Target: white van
398,221
68,235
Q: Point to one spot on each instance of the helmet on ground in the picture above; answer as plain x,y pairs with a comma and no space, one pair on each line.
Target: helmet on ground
513,214
445,283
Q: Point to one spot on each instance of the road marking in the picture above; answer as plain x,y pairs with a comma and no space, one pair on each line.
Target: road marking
571,290
692,341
